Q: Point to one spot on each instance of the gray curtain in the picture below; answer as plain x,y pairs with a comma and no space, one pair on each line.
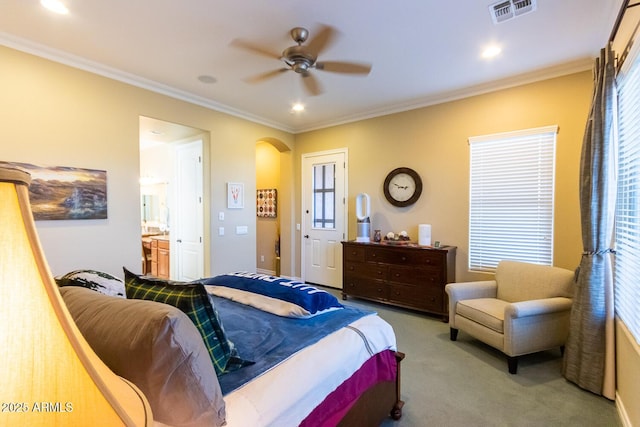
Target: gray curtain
589,359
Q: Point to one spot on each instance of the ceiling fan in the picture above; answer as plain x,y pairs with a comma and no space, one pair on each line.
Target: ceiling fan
302,58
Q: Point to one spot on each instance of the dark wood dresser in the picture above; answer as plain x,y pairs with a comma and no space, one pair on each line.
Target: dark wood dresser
404,275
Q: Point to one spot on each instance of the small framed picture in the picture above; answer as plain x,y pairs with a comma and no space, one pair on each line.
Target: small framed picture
266,203
235,195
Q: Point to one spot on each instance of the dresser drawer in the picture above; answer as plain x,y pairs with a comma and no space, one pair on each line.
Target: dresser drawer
370,271
353,253
403,256
416,296
415,276
358,286
430,259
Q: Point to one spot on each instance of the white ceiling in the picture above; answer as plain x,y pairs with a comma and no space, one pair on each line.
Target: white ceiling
422,51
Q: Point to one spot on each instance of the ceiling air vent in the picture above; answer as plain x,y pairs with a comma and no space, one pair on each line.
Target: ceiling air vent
508,9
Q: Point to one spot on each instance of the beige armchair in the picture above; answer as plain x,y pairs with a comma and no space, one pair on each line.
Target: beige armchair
524,310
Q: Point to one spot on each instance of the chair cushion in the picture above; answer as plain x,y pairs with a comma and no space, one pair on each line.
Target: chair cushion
520,281
488,312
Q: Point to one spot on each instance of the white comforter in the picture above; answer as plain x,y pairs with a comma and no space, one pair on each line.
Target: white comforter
287,393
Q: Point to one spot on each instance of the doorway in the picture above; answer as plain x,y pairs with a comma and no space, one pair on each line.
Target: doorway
172,161
324,213
268,218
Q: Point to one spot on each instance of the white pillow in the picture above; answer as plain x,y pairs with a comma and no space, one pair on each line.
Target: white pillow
99,281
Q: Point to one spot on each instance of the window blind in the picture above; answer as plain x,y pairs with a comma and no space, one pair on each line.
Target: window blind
627,233
511,194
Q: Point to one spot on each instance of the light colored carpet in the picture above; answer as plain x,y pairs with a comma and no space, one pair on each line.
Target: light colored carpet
466,383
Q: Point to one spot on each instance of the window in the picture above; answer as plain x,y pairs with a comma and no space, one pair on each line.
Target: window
627,259
324,196
511,198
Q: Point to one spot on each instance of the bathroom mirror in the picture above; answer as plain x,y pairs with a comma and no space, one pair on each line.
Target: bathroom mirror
153,207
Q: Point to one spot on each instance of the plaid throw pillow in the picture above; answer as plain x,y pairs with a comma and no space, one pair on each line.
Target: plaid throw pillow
193,300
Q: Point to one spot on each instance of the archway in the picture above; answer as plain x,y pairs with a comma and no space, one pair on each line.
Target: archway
275,246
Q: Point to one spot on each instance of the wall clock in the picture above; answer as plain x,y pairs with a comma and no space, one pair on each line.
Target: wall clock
402,187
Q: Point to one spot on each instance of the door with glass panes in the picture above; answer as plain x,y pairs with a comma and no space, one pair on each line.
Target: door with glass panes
324,217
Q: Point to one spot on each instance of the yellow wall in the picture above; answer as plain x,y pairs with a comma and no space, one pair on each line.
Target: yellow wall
628,375
267,176
433,141
56,115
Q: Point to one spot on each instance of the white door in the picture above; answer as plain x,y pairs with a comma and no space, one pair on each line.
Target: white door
189,218
324,212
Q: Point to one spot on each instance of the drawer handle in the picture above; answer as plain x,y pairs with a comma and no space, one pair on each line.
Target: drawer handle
404,258
397,274
351,268
373,255
379,273
427,261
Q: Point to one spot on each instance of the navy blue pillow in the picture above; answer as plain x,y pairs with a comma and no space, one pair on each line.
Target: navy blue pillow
312,300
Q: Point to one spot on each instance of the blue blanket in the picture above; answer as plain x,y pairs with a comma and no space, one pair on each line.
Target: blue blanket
268,339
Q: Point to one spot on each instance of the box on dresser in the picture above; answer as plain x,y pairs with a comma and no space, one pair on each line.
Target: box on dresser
401,274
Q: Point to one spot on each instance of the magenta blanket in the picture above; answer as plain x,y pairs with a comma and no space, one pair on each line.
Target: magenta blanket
381,367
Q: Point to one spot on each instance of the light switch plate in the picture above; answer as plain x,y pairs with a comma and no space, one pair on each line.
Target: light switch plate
242,229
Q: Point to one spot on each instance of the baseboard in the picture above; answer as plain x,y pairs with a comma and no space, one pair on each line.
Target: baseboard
622,412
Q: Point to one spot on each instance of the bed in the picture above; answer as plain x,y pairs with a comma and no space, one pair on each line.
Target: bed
278,360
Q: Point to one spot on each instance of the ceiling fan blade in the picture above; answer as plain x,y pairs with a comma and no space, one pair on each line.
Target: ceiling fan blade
265,76
324,37
344,67
242,44
311,84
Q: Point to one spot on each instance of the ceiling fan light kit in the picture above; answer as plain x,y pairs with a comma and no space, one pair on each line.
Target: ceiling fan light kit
302,58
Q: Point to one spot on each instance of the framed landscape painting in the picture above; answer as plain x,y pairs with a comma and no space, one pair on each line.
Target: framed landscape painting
61,192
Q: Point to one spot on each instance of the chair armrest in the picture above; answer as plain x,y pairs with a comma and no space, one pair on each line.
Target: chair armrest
471,290
537,307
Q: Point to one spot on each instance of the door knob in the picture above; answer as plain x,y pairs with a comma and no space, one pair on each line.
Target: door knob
306,236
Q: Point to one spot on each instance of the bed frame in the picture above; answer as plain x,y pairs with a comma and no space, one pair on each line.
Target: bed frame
377,403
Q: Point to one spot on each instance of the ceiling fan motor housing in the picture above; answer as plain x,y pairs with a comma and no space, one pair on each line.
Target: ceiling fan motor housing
299,34
299,58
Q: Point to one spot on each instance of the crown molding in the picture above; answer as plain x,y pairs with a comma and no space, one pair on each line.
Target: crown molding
440,98
65,58
78,62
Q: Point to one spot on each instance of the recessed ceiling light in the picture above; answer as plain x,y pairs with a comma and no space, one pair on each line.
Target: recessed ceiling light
207,79
491,52
55,6
298,107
